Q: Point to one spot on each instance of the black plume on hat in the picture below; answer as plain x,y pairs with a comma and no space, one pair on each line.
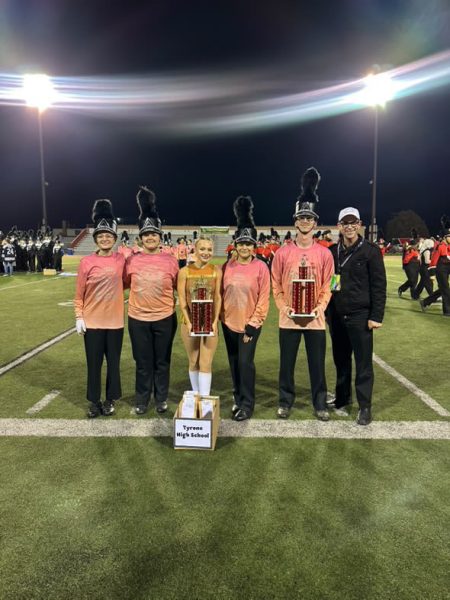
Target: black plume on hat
149,221
308,196
103,217
243,211
310,183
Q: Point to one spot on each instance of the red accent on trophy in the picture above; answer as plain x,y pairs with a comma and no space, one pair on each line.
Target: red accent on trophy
304,293
201,313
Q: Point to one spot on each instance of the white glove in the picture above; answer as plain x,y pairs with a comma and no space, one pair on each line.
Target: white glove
80,326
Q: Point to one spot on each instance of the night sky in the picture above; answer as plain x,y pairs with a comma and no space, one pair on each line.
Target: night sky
314,44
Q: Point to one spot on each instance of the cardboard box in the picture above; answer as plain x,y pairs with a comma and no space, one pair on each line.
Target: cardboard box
49,272
199,433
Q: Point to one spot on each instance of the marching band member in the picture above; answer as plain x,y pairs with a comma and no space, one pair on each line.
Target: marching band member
58,253
411,266
99,311
200,274
303,251
425,249
440,260
152,321
246,291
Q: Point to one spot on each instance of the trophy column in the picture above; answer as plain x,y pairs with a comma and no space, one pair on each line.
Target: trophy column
201,311
304,293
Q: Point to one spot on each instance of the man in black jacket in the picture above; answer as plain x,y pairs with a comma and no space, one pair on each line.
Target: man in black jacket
356,309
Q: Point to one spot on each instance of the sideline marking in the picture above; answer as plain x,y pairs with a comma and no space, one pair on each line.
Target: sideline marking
43,402
12,287
256,428
18,361
409,385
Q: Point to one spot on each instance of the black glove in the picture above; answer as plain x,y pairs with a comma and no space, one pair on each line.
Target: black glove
250,331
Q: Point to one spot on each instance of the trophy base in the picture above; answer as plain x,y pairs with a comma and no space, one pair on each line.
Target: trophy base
303,315
211,334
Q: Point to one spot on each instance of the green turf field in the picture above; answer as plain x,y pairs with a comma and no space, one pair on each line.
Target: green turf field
131,518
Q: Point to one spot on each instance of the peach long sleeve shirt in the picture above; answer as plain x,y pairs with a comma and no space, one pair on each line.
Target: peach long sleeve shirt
152,279
99,291
285,267
246,294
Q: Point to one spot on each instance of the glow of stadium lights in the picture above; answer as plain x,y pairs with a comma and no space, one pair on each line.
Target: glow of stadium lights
378,90
39,93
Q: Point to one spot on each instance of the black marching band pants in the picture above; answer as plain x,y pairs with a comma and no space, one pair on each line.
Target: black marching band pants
350,334
412,273
424,282
151,342
241,357
442,275
99,343
315,342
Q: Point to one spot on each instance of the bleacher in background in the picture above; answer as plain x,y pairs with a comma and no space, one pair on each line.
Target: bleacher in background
84,243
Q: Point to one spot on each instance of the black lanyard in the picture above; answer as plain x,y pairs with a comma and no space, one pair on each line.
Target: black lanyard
351,253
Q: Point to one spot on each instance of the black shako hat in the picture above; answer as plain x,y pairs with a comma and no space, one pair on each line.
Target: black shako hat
148,220
304,207
245,225
103,218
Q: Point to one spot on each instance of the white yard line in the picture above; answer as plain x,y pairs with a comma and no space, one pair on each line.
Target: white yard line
45,401
409,385
13,287
255,428
31,353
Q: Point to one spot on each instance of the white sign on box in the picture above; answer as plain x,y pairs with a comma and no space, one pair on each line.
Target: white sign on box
191,433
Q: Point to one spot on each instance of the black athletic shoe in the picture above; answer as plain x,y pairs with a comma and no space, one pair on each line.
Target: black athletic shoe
283,412
322,415
161,408
364,416
108,408
234,409
95,410
241,415
140,410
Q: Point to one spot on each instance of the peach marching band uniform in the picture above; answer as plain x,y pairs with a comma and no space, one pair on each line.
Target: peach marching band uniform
246,294
152,280
285,268
99,291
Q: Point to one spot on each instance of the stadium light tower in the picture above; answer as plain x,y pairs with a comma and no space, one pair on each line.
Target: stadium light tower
39,93
379,88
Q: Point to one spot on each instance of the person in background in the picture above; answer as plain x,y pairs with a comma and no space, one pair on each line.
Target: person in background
411,266
58,253
99,311
425,249
303,251
182,252
356,309
326,239
200,349
246,292
440,262
8,257
230,249
151,276
124,249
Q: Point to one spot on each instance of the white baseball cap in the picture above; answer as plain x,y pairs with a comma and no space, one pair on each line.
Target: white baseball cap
349,212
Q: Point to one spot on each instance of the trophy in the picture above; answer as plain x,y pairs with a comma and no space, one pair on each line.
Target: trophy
303,292
201,309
